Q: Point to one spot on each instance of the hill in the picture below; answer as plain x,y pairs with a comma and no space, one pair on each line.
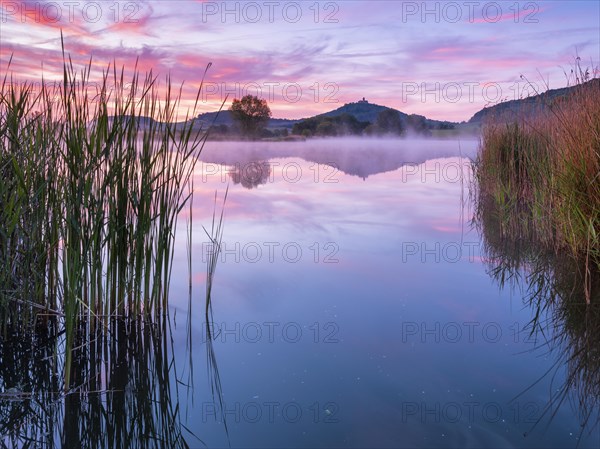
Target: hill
524,106
224,118
364,111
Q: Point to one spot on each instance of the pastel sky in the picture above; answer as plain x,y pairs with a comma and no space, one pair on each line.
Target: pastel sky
445,60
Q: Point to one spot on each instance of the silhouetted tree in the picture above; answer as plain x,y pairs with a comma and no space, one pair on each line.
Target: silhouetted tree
338,125
418,124
309,125
251,114
326,128
389,122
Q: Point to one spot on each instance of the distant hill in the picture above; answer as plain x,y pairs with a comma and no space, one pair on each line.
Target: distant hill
368,112
362,110
224,118
524,106
143,122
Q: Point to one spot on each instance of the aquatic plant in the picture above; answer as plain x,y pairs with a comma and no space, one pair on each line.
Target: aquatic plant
90,193
547,166
537,205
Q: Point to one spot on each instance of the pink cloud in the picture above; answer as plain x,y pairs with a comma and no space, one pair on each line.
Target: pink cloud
176,41
140,25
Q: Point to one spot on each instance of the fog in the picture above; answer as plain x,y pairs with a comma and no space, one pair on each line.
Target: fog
355,156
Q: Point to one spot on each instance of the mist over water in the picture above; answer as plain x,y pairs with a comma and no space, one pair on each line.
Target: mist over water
361,157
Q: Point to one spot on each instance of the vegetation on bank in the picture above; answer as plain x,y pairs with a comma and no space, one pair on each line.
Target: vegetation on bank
537,185
249,118
90,195
341,125
232,133
563,294
389,123
546,167
251,115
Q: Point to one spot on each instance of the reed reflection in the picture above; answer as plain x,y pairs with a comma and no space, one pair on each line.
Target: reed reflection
562,290
125,387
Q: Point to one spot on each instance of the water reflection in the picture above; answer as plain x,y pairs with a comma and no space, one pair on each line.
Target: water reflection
251,175
556,285
125,388
355,373
391,272
357,157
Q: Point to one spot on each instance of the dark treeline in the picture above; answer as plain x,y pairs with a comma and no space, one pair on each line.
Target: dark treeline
388,123
225,132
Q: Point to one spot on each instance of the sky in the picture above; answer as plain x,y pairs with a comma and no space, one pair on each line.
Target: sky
445,60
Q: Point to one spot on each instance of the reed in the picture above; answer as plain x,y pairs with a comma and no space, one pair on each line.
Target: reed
90,192
545,168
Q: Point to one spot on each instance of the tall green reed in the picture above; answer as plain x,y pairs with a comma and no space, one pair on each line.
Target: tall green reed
91,188
547,165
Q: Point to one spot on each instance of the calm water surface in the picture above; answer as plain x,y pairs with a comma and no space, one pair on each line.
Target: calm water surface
353,306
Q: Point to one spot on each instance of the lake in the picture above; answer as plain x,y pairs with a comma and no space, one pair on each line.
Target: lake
355,303
353,306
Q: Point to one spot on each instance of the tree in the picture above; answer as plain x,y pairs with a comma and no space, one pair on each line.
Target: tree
326,128
418,124
310,125
372,130
251,113
389,122
349,124
338,125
